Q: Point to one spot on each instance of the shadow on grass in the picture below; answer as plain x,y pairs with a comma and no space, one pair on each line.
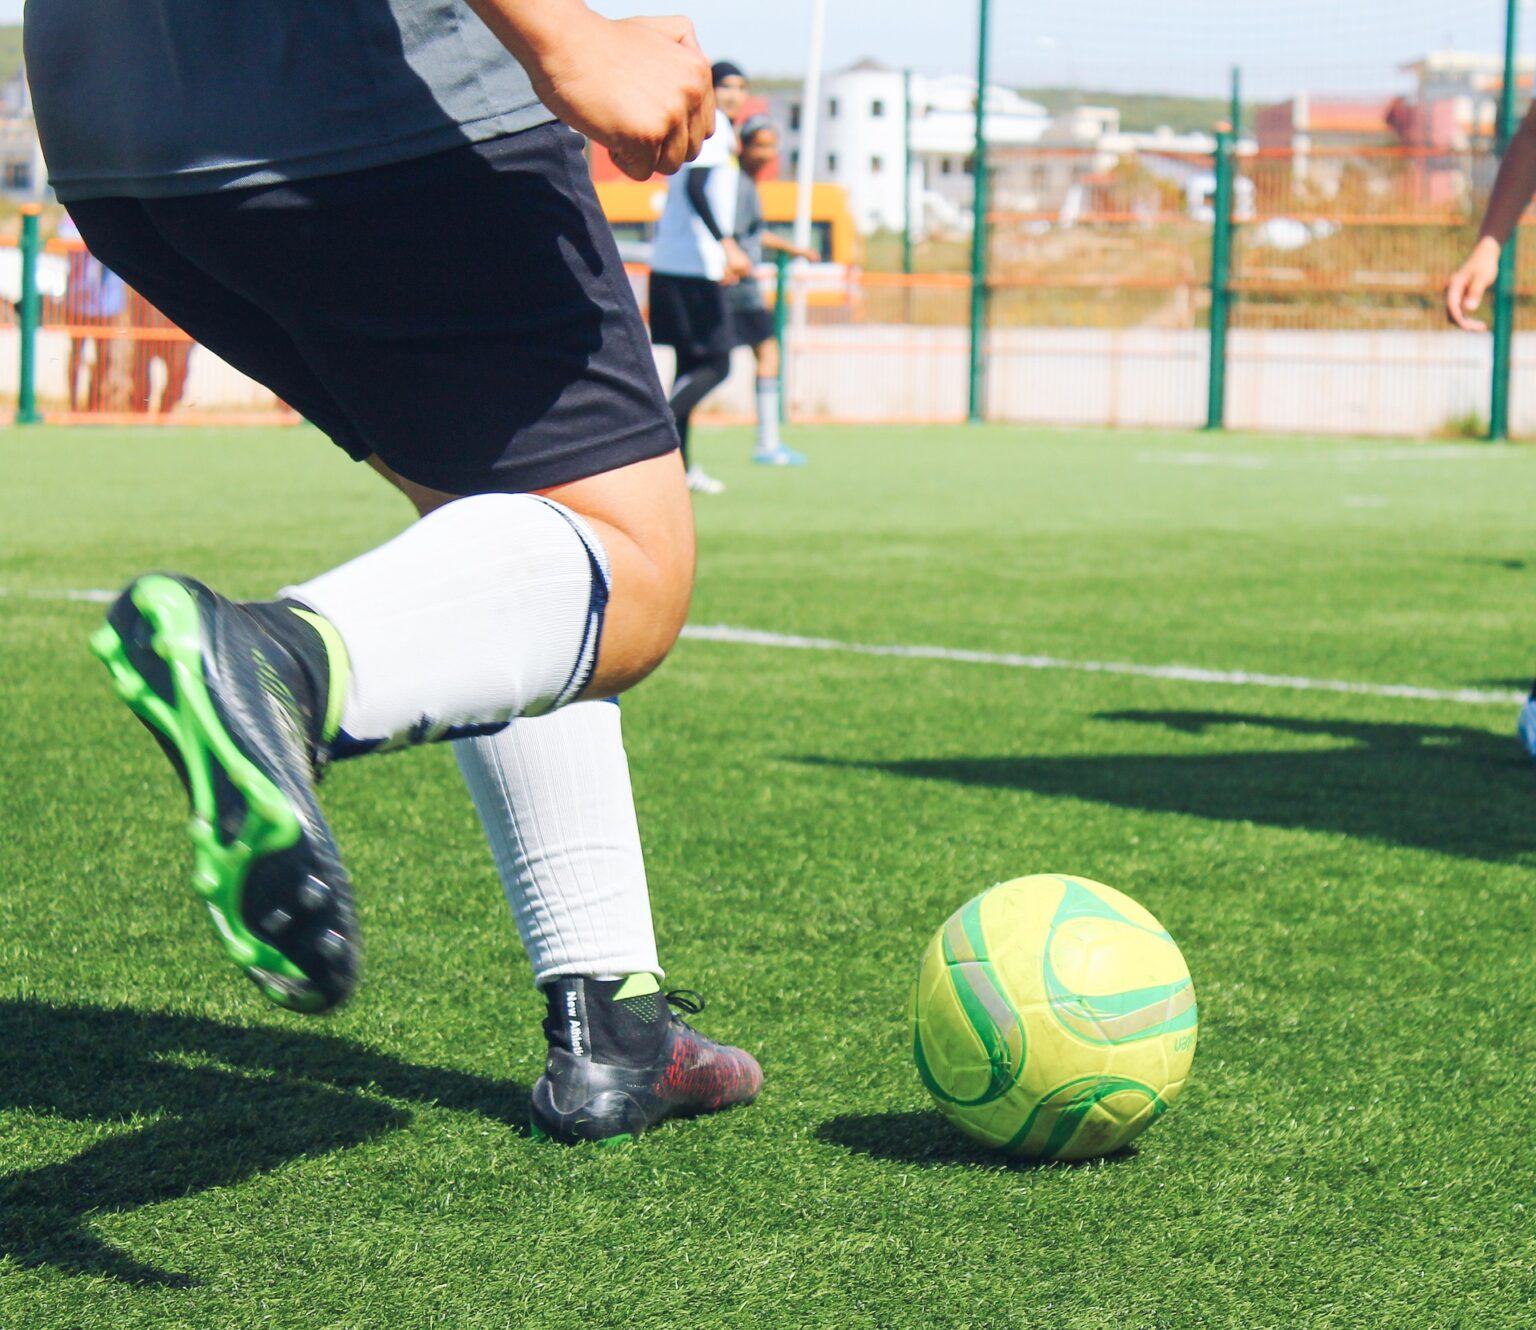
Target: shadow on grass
1451,789
223,1104
924,1137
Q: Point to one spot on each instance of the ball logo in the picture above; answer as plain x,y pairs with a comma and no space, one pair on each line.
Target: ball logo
1112,1018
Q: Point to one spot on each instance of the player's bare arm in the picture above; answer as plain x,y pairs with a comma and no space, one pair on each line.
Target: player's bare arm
639,86
1512,192
778,245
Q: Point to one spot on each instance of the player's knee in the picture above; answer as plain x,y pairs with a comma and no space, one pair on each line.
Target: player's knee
651,595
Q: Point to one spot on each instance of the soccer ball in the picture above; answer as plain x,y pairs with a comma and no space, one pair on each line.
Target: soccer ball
1053,1018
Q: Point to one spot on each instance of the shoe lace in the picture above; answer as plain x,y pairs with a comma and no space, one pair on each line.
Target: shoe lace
684,999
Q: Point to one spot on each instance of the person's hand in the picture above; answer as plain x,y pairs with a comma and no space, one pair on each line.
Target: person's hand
738,267
1470,282
809,255
640,86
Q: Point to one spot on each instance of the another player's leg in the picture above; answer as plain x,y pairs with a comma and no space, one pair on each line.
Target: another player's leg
696,378
1526,729
770,450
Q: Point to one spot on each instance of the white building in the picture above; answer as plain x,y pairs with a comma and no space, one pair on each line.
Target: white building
863,142
22,173
1459,91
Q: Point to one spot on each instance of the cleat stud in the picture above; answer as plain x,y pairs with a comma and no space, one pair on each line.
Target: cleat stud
278,920
314,894
332,944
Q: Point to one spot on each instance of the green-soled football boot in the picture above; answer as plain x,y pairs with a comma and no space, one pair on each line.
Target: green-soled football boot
245,699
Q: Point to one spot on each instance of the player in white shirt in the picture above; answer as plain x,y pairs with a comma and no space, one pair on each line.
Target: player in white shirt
695,257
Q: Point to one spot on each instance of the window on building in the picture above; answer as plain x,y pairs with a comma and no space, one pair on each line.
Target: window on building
946,166
832,161
876,108
794,159
18,175
794,115
832,109
876,165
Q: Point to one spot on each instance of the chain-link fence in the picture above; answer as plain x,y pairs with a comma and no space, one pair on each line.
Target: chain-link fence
1364,147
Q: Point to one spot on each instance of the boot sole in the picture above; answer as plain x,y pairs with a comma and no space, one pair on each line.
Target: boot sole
189,724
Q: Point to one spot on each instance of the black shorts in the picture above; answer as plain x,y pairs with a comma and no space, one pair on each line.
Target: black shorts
751,324
464,316
690,315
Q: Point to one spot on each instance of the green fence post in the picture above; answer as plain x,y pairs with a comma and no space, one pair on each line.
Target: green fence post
1504,288
29,315
1221,271
906,171
780,323
977,409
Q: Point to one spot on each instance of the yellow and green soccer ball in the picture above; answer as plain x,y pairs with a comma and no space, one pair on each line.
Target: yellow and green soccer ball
1054,1018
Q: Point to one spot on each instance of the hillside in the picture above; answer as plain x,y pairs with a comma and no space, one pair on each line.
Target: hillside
1142,111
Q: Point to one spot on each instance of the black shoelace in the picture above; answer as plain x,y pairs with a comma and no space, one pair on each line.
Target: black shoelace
684,999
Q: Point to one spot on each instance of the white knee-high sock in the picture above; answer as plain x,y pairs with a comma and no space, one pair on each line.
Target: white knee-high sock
554,796
768,415
489,608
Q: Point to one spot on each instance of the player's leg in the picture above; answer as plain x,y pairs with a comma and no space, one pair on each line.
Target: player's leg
265,862
536,346
770,449
1525,729
689,314
76,363
178,367
553,794
697,377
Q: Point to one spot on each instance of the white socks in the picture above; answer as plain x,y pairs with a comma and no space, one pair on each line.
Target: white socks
768,415
489,610
554,796
486,609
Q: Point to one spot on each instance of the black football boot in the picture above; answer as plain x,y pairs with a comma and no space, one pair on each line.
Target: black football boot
621,1060
244,700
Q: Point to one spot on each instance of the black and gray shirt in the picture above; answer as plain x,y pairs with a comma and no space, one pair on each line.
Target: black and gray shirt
159,97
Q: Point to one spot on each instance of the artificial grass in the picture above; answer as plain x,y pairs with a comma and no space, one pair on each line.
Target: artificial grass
1349,877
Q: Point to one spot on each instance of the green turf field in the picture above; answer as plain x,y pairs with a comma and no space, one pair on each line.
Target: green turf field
1349,875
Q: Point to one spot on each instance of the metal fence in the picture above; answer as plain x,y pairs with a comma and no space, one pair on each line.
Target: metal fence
90,349
1105,305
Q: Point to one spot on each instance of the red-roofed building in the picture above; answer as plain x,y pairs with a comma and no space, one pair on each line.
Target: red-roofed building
1326,122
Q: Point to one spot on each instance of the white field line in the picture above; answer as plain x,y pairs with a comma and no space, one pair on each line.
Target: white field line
1351,458
754,637
1179,673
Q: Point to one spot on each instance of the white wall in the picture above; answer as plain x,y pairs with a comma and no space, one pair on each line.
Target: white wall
1384,383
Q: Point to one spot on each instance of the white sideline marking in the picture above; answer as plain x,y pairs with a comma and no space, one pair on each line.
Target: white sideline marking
1179,673
1236,461
1351,457
89,594
754,637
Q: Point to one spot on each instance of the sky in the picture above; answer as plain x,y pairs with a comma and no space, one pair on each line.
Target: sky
1183,46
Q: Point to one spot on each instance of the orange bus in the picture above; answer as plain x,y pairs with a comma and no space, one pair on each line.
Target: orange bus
632,209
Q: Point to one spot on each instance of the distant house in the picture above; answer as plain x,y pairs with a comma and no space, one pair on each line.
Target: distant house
902,147
1443,130
1306,122
1456,103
